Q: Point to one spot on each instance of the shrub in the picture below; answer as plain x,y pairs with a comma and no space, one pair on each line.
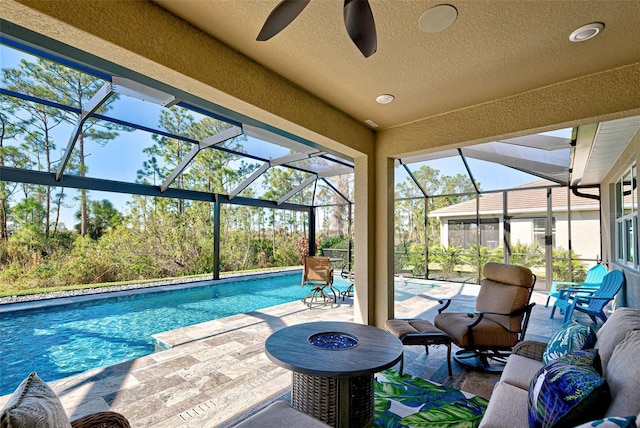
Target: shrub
561,266
528,255
447,258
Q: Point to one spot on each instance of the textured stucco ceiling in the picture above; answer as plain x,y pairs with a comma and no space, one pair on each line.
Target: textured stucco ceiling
494,50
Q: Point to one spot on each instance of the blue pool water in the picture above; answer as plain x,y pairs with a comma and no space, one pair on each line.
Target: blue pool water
63,340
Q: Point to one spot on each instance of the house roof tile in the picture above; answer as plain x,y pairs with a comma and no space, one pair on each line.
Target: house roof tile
522,200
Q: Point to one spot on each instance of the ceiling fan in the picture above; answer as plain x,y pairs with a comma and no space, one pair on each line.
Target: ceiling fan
358,19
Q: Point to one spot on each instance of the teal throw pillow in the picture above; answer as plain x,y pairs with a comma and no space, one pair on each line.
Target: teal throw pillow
568,391
571,336
612,422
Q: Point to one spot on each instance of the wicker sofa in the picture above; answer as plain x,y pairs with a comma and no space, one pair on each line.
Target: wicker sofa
618,345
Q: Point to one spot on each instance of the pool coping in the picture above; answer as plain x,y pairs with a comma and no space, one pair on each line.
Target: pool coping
79,296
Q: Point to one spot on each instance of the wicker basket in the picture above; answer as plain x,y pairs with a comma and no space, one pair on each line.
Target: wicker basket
318,397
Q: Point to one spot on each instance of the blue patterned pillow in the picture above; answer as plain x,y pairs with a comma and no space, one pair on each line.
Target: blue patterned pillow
612,422
571,336
568,391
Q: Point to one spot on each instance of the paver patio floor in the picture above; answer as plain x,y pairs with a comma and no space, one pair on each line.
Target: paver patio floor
216,373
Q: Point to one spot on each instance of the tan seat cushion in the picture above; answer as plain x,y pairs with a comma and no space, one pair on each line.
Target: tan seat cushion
508,407
488,332
623,376
508,274
413,331
505,289
519,371
501,298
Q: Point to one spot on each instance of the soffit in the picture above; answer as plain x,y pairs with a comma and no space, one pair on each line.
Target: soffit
596,157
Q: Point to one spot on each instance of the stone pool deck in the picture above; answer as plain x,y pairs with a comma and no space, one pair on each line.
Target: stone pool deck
217,373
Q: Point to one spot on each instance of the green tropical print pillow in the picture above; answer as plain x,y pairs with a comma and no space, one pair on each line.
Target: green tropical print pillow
407,401
571,336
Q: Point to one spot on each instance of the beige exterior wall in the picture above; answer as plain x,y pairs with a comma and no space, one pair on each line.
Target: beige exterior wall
631,293
585,239
584,231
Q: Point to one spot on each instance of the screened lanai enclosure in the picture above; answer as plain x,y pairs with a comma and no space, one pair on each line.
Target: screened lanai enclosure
105,178
505,201
532,200
163,186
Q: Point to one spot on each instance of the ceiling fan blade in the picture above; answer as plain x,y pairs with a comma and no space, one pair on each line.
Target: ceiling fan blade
281,16
358,18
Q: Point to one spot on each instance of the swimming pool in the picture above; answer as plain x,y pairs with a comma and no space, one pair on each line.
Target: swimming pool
63,340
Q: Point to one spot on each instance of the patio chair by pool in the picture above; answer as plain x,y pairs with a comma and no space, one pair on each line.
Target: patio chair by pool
594,304
318,273
349,276
592,280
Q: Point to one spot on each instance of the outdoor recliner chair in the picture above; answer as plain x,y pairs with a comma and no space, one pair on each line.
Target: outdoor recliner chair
502,310
318,273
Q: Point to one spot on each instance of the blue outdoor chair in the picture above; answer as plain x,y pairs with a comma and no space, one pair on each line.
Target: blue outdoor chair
594,304
593,281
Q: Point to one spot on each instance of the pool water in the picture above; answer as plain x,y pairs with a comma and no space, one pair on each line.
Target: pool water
63,340
406,288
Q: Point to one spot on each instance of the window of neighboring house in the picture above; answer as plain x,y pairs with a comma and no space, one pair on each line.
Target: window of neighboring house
464,233
627,218
539,231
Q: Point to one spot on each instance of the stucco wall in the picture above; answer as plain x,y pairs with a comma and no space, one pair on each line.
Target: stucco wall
585,237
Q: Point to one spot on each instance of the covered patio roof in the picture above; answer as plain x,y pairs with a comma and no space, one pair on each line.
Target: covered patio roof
576,158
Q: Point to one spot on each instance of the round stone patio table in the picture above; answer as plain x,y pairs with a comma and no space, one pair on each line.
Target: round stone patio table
333,364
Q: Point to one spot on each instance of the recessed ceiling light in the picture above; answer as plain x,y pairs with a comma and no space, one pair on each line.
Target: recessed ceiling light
371,123
385,98
438,18
586,32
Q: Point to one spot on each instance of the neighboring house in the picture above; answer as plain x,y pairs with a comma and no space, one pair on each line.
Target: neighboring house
526,214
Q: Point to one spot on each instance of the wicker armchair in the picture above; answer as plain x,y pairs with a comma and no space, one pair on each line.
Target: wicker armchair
530,348
101,420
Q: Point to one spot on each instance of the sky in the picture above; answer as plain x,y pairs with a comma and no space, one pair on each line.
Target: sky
122,157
